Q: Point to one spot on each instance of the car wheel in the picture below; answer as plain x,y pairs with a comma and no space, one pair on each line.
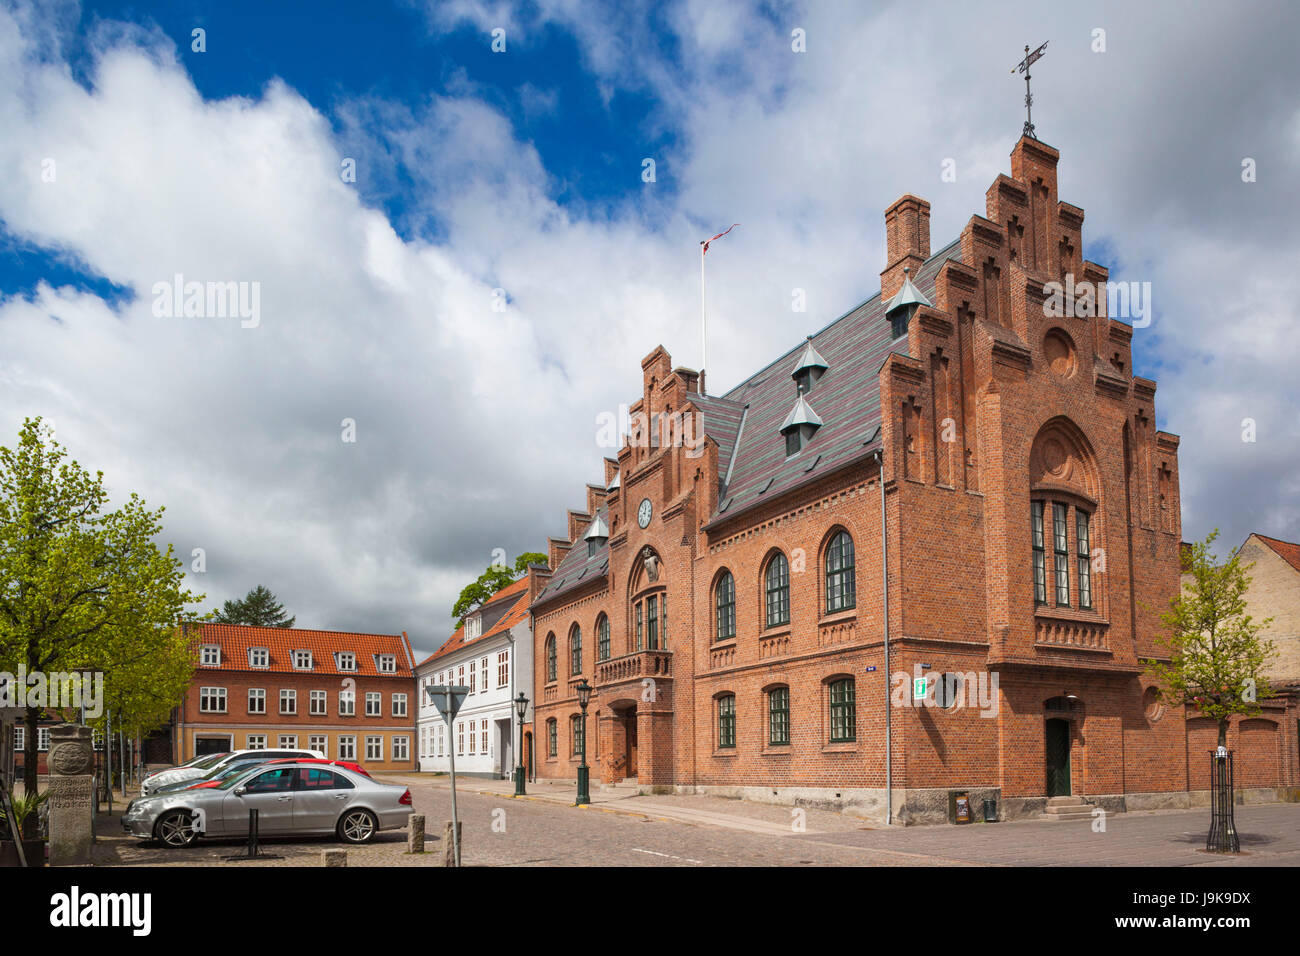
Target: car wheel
358,826
176,829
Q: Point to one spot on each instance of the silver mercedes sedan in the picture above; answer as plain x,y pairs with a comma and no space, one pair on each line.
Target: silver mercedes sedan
291,800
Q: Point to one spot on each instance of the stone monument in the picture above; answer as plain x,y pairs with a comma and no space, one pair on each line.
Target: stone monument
72,797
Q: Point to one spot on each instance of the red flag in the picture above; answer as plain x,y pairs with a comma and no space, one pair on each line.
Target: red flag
706,242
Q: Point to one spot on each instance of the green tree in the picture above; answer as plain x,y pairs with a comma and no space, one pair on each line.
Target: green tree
259,607
496,577
85,589
1216,655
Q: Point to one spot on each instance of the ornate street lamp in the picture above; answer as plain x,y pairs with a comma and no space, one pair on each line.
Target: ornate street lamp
584,791
521,708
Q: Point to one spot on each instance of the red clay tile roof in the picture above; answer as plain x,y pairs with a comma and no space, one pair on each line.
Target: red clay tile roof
1286,550
236,640
516,594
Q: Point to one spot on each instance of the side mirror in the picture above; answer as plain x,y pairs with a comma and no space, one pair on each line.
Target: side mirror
240,791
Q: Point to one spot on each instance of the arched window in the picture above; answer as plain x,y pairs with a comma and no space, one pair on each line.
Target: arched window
725,595
552,738
602,638
648,604
844,722
778,591
550,658
727,720
1064,489
575,650
778,716
575,735
841,588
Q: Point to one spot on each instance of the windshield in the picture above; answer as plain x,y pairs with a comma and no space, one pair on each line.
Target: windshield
238,774
209,762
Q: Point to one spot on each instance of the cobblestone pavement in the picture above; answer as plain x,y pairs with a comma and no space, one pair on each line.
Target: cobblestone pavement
622,828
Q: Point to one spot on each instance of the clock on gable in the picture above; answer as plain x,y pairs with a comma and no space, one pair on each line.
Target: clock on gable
643,512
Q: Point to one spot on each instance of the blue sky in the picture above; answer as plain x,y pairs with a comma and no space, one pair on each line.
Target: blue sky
486,178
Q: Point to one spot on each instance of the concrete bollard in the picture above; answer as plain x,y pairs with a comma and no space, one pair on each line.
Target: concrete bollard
334,857
448,847
415,833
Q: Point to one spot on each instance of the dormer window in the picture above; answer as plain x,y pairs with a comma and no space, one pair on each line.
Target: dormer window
346,660
903,306
259,657
596,535
810,368
473,627
799,427
302,660
387,663
210,655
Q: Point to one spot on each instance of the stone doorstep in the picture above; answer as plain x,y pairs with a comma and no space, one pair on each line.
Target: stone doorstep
1066,808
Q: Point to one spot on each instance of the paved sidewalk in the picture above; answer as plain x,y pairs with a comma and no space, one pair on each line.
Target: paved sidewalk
741,815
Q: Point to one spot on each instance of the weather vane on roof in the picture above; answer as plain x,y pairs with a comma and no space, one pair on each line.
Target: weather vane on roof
1023,67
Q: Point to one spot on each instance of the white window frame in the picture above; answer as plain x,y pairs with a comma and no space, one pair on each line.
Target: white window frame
321,698
256,742
347,661
288,742
377,742
42,739
347,747
347,703
503,669
290,696
319,742
20,738
259,657
401,747
257,694
387,663
210,655
302,660
206,695
399,705
376,698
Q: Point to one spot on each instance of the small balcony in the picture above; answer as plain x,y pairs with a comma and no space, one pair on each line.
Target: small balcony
635,666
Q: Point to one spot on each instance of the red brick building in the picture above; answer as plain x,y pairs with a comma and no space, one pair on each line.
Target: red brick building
728,602
351,696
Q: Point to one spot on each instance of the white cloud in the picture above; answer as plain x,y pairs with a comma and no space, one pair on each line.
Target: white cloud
476,427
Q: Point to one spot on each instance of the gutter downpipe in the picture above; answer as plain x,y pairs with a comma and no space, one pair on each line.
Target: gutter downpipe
884,574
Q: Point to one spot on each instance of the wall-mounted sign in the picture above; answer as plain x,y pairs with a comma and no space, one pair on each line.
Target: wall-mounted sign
919,685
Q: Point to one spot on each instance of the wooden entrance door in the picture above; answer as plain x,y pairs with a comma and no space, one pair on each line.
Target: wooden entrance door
629,724
1058,757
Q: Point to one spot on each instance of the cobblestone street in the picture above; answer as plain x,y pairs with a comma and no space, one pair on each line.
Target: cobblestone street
622,828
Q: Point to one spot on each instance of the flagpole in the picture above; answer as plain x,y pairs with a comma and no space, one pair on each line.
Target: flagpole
704,323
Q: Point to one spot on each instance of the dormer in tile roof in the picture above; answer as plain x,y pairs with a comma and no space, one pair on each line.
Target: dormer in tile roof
903,306
799,426
810,368
596,535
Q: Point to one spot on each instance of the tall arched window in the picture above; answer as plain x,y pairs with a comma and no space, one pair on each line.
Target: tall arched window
602,638
550,658
575,650
841,589
727,720
725,596
1064,491
778,591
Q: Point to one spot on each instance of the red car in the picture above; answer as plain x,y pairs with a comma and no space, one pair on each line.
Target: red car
345,764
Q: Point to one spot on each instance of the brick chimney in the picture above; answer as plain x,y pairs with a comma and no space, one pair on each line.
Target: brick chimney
907,241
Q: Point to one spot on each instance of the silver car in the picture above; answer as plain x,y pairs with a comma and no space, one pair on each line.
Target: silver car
202,768
291,799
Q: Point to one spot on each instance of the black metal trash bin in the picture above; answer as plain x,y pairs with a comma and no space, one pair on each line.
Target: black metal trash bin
990,810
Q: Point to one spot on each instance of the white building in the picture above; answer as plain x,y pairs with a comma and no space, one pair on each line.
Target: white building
492,655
